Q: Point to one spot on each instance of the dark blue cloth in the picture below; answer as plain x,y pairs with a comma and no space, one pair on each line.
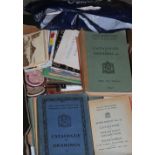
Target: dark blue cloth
69,16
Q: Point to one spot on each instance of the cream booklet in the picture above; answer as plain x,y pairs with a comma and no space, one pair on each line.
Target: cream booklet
111,122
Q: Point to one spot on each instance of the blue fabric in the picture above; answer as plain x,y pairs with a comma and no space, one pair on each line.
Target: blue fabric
99,17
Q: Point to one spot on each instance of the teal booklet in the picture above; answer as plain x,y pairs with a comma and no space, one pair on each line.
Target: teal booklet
105,67
64,125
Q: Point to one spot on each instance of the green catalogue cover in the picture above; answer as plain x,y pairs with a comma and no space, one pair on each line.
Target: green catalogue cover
104,63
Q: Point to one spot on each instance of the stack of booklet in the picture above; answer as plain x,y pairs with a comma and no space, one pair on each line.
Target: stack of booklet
65,63
78,92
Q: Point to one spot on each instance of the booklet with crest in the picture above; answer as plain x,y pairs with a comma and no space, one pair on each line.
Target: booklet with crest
64,125
104,63
111,125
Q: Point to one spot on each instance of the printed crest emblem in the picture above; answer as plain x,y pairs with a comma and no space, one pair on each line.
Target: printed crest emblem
64,120
108,67
107,115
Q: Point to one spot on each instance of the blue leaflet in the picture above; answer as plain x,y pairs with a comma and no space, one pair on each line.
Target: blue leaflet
64,125
97,17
